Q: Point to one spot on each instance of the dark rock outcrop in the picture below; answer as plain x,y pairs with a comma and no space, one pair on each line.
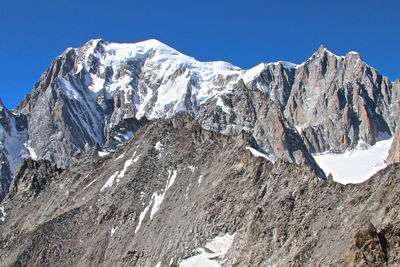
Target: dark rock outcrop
32,177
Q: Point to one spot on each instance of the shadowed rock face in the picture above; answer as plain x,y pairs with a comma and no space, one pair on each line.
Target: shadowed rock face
12,148
32,177
175,186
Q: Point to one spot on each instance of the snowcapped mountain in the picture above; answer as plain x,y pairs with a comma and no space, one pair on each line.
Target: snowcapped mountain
88,93
101,93
148,157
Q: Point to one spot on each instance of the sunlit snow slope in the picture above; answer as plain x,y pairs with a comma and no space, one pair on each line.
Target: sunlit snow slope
357,165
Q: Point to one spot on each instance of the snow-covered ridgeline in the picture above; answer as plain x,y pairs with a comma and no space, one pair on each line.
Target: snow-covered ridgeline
162,68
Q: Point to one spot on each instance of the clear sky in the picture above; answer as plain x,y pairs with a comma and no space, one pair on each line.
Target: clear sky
244,33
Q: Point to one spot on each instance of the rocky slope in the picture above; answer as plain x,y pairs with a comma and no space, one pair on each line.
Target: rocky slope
176,193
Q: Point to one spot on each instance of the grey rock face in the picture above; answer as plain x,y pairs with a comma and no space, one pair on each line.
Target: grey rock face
253,111
174,187
60,126
337,101
276,80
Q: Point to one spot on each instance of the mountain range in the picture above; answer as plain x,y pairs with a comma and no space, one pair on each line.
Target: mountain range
139,140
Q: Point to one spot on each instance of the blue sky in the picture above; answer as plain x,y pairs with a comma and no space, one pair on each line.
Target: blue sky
244,33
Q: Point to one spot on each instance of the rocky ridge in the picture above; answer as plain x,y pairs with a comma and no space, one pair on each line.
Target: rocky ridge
174,187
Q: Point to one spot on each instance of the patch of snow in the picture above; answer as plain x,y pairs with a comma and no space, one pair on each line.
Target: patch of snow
120,156
141,217
221,244
136,159
157,199
103,153
200,179
357,165
119,174
212,254
221,104
70,90
166,68
299,129
252,73
113,230
257,153
192,168
353,53
118,139
3,214
203,259
96,84
158,264
171,179
126,165
110,181
32,152
89,184
159,146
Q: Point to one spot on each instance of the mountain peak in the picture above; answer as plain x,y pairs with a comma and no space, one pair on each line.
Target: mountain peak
321,48
353,54
154,43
